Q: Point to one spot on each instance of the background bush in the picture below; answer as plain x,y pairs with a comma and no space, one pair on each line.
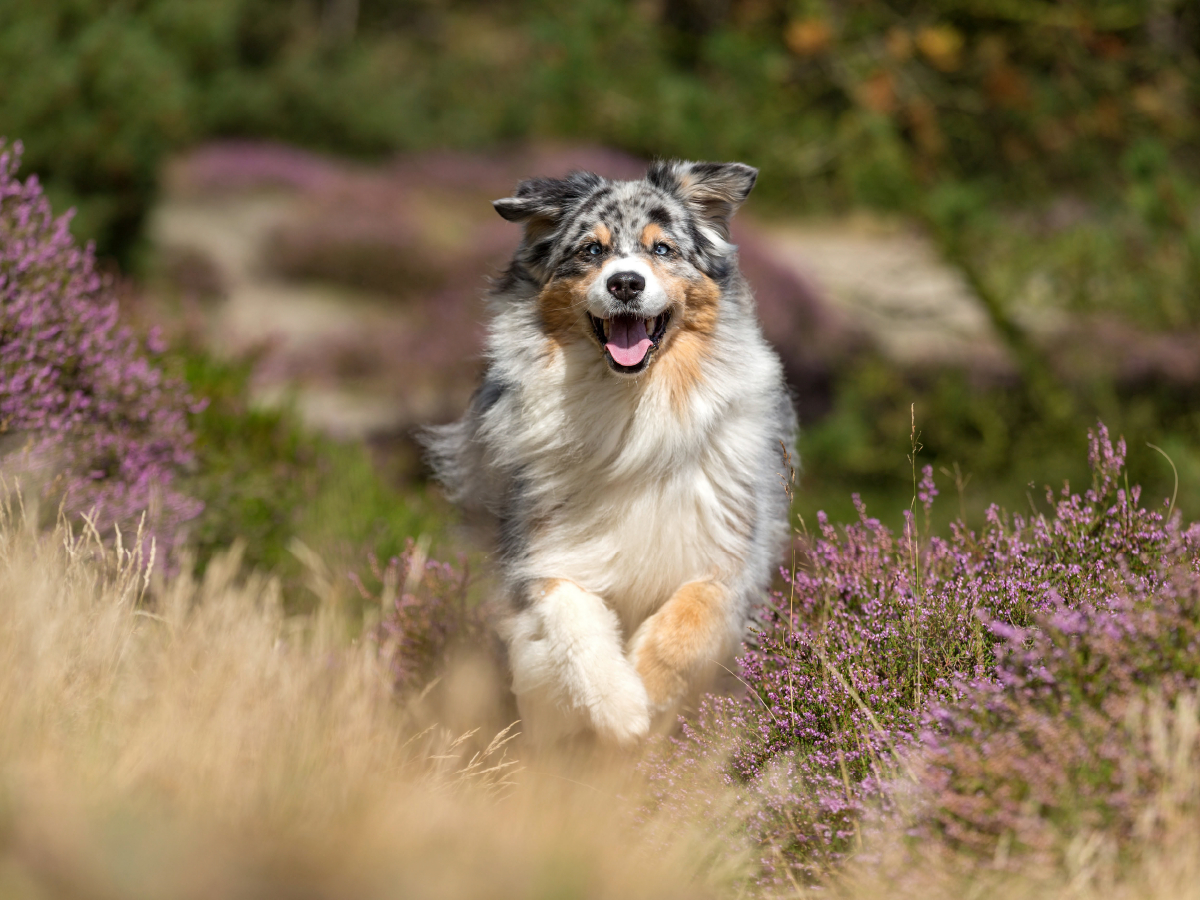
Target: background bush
837,101
1048,148
84,414
267,481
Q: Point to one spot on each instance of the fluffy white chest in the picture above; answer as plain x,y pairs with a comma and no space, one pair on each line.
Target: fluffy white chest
634,518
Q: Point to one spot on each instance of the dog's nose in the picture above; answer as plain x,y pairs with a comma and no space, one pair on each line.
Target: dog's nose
625,286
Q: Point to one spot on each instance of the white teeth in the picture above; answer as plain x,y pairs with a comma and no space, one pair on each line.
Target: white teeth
607,325
650,326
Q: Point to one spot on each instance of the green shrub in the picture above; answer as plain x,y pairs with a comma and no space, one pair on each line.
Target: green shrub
267,481
835,101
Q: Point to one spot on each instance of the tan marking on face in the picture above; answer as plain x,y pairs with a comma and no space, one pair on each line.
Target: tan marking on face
562,304
651,235
681,639
679,367
689,337
702,306
602,233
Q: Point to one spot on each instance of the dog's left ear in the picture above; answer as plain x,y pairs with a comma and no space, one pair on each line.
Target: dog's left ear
546,199
714,191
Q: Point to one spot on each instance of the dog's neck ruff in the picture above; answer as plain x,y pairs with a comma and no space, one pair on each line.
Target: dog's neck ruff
570,407
632,492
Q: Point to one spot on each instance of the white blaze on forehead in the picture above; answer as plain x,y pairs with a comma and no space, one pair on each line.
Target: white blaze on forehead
628,264
652,301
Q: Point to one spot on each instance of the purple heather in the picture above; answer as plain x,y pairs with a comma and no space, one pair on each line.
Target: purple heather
994,668
84,415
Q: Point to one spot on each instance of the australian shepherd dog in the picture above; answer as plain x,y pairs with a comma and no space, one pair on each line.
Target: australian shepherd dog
625,441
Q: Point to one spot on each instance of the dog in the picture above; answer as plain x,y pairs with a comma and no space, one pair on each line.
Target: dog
626,442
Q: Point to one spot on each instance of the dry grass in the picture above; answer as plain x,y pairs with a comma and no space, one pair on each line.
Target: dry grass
201,744
204,745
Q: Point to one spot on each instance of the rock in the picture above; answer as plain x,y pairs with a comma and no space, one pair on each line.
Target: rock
902,299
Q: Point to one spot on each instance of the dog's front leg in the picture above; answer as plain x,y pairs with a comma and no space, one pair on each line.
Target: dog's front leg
681,642
569,667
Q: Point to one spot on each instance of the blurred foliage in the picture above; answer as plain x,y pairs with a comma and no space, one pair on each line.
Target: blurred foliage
1051,149
989,443
268,481
838,101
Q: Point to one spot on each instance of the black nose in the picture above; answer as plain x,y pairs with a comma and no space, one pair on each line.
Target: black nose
625,286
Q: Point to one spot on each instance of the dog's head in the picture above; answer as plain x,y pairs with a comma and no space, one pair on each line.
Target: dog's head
636,267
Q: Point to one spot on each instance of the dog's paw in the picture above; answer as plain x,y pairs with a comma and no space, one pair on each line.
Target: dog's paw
619,708
569,668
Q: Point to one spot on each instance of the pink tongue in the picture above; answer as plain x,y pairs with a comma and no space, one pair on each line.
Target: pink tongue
628,342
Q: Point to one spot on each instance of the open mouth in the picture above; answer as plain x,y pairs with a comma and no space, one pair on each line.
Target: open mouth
629,341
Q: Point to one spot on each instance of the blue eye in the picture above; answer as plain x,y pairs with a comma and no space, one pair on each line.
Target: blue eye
592,250
662,250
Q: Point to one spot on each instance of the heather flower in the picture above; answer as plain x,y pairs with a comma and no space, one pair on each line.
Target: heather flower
83,412
425,613
927,489
1043,747
880,640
